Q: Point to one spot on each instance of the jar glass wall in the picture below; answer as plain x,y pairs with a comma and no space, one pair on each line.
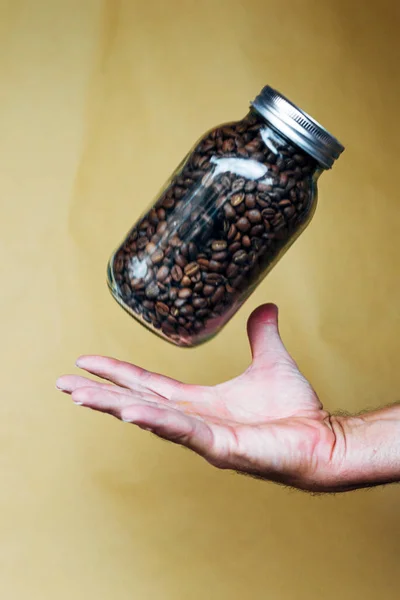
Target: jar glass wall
228,213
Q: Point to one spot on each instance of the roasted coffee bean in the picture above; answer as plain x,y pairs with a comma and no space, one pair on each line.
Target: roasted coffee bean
232,271
142,243
162,273
219,256
231,232
168,202
289,211
237,199
203,263
162,227
228,145
208,290
199,302
198,287
214,278
246,241
187,310
152,291
118,264
268,213
238,185
219,245
234,247
162,309
243,224
180,260
157,256
196,277
254,216
191,269
186,281
250,201
176,273
215,266
192,250
258,230
185,293
250,186
175,242
240,257
218,295
126,291
230,212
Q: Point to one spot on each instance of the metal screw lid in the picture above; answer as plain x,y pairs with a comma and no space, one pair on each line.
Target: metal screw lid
298,126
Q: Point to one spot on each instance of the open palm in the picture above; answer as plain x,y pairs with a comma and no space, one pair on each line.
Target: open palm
267,422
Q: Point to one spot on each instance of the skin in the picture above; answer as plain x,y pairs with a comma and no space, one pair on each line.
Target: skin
268,422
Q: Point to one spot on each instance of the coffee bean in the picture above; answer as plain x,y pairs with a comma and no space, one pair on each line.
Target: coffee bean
246,241
238,185
215,266
176,273
228,145
186,281
219,256
203,263
187,310
243,224
162,309
230,212
250,201
218,245
218,295
258,230
199,302
254,216
126,291
208,290
191,269
142,243
234,247
240,257
250,186
289,211
184,293
180,260
157,256
118,264
214,278
179,302
231,232
237,199
152,291
162,273
162,227
232,271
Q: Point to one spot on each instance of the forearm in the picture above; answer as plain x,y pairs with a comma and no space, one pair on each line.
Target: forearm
366,451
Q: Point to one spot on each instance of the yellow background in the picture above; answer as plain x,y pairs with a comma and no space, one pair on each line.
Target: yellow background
99,101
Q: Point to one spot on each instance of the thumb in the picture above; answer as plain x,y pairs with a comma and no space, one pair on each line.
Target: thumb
263,332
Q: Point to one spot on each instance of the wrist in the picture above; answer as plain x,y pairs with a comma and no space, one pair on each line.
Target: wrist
366,450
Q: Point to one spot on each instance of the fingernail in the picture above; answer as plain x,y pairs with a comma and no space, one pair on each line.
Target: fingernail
77,402
78,362
126,420
59,386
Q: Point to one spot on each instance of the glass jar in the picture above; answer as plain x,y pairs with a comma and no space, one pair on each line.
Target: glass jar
227,214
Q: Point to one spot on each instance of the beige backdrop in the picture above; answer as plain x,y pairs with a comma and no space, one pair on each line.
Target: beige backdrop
99,100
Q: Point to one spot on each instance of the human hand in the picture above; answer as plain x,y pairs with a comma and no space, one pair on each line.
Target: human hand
268,422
